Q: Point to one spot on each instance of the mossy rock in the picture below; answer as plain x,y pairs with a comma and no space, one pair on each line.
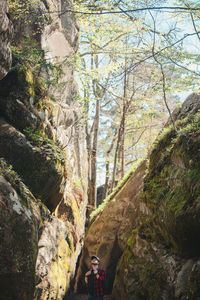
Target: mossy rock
16,102
19,225
166,236
40,174
171,187
138,278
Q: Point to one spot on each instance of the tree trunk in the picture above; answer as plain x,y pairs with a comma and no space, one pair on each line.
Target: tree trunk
123,122
119,152
106,185
92,197
115,157
99,93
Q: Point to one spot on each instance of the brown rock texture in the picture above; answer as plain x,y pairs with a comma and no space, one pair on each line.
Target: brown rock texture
150,229
161,259
6,29
108,234
42,137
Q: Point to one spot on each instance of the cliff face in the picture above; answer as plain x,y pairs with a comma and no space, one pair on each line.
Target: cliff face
150,229
108,234
161,259
42,138
5,38
20,220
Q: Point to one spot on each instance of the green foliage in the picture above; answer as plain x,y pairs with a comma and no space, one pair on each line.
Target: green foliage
48,147
21,11
8,172
125,42
167,138
30,55
28,52
193,126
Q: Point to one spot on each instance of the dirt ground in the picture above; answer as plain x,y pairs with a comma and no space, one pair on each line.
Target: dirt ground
84,297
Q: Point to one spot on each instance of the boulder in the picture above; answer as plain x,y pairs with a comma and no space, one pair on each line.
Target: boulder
41,174
20,220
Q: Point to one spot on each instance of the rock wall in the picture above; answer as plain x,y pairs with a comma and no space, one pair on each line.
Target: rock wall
5,38
108,234
20,217
161,259
42,143
148,235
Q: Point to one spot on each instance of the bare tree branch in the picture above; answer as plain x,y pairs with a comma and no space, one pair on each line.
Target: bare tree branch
140,136
101,12
162,73
183,67
194,25
160,51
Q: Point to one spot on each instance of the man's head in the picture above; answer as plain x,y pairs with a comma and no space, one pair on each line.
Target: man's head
95,261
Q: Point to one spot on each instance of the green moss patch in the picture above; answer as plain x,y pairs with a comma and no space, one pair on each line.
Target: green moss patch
15,180
151,281
172,186
132,239
50,148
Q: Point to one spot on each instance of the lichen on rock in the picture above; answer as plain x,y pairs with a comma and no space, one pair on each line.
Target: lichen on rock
42,137
163,250
20,223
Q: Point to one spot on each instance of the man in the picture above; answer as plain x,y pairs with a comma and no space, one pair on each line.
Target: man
94,280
